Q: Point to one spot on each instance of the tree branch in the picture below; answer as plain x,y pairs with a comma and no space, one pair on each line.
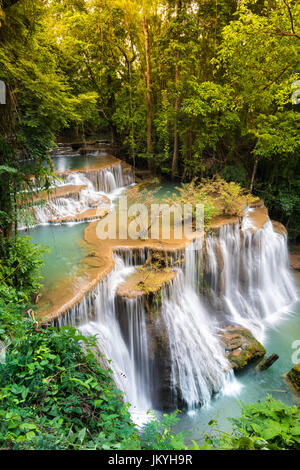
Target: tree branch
287,33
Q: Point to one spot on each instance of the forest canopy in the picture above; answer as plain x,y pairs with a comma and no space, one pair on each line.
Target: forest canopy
187,88
205,93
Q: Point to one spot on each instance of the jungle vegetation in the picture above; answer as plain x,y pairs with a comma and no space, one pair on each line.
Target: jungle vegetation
189,89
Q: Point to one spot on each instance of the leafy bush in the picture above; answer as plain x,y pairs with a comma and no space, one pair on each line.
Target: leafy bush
216,195
55,395
20,266
229,198
235,173
158,435
11,314
269,425
190,193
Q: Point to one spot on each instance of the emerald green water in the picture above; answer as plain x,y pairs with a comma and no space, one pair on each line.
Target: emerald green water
71,162
254,385
167,190
65,254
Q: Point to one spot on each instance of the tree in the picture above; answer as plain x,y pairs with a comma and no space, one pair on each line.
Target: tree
39,103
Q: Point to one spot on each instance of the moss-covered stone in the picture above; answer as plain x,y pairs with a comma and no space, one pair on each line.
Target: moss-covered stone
145,281
241,347
293,378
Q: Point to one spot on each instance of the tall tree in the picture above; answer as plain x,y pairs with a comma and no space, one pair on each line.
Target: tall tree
148,78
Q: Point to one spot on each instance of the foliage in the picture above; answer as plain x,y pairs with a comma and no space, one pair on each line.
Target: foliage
230,198
39,102
12,309
55,395
221,82
284,203
158,435
20,266
269,425
235,173
216,195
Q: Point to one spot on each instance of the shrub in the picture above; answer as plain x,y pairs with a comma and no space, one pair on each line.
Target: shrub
216,195
20,266
269,425
55,395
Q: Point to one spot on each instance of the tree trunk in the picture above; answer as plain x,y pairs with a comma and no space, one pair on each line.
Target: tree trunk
175,151
176,109
149,111
266,363
253,174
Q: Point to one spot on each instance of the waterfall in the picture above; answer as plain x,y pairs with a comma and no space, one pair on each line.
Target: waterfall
127,347
97,184
238,275
250,279
106,179
110,181
198,364
132,320
69,207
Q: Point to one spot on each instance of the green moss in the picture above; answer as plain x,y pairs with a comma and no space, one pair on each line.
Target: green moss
294,377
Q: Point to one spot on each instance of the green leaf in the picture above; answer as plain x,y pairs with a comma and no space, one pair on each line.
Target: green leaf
81,435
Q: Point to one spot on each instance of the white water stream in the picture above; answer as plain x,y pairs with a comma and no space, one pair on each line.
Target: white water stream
98,184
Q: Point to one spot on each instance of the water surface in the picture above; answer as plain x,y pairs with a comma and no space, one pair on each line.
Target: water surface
252,385
66,252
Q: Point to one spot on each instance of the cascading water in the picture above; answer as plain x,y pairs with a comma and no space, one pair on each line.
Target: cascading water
106,179
110,181
246,274
255,282
97,184
198,364
129,356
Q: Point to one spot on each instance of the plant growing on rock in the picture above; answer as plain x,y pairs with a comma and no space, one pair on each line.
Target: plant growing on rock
217,196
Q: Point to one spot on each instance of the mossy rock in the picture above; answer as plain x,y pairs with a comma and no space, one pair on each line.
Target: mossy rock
293,378
241,347
145,282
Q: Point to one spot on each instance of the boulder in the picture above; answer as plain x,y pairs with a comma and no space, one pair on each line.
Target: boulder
268,362
241,347
295,261
96,201
293,378
279,228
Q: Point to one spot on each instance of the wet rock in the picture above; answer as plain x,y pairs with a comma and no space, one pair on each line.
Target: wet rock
268,362
257,203
295,261
97,200
241,347
279,228
258,217
293,378
145,282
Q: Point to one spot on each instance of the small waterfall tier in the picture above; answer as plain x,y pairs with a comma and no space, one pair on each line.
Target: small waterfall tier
247,274
103,179
82,195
